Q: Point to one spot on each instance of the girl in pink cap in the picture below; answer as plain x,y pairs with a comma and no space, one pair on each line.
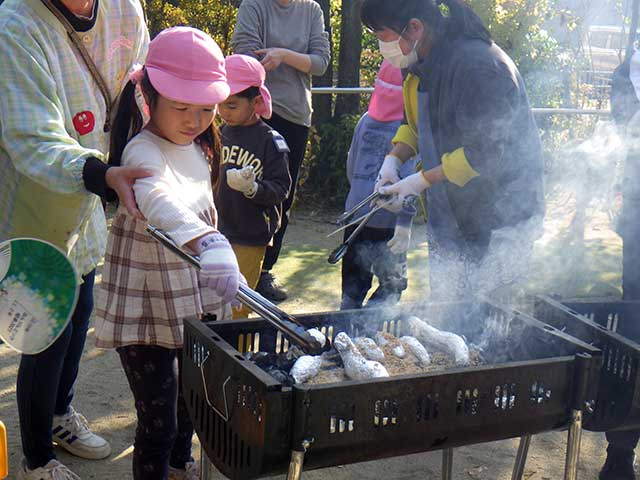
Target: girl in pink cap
146,292
253,176
380,248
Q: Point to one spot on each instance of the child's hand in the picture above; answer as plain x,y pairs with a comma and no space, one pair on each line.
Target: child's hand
219,267
243,180
400,241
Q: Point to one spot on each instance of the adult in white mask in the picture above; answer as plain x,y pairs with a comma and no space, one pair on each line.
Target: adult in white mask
468,116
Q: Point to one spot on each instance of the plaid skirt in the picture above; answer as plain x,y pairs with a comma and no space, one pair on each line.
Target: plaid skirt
147,291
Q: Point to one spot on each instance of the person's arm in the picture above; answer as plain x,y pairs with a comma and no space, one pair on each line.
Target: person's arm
319,46
158,200
402,151
315,61
248,33
275,184
32,124
484,117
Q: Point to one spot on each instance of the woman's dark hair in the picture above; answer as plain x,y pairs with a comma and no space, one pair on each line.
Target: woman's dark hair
128,122
250,93
395,15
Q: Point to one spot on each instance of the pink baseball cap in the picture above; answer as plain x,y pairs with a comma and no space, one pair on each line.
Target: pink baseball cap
386,103
186,65
243,72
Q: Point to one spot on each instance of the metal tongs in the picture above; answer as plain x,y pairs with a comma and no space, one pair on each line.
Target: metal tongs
287,324
361,221
350,213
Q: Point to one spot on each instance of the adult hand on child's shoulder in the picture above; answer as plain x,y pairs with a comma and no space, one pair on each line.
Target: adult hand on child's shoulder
121,180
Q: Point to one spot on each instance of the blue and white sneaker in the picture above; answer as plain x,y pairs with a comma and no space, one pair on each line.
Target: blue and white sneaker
72,432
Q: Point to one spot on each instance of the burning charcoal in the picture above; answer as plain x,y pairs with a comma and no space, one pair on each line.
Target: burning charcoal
369,349
305,368
439,340
417,349
294,352
280,376
399,351
318,335
356,366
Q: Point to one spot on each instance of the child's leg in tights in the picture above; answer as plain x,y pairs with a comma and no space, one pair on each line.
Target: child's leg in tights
153,377
181,451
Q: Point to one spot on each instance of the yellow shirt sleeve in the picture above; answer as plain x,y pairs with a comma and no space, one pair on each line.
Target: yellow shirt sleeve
408,133
456,167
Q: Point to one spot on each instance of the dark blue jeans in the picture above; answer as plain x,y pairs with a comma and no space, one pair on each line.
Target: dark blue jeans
45,381
164,431
369,255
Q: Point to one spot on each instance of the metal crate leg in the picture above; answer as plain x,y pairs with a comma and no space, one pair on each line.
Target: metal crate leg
297,459
573,446
521,457
447,464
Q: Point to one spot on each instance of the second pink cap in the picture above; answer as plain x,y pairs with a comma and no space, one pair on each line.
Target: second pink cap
243,72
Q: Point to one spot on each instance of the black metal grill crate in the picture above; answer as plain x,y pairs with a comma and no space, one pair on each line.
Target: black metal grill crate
248,423
610,326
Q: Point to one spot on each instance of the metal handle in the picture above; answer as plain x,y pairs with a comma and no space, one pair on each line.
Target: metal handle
225,415
284,322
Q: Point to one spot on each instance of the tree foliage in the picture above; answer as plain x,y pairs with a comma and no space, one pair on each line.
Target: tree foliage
216,17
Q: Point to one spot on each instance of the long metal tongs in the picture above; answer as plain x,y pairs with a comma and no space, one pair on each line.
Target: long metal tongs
353,210
341,250
285,323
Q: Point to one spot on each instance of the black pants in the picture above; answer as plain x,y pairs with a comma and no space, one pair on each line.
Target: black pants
630,232
296,137
164,431
45,381
369,255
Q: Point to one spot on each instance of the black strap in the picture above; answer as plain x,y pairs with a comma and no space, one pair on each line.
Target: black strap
95,73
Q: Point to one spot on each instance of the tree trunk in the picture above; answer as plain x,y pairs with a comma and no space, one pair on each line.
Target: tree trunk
322,103
349,59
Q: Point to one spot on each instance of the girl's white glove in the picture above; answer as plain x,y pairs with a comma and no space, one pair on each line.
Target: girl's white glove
389,172
399,243
218,266
404,193
243,180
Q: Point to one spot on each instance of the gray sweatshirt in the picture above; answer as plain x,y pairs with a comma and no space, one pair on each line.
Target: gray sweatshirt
298,26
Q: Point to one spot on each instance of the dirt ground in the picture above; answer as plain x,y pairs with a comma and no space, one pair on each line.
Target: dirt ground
593,267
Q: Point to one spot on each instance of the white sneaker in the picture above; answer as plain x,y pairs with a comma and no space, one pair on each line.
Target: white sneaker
191,472
71,432
53,470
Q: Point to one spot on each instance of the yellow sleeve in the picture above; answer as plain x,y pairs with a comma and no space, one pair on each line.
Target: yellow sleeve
408,132
456,167
405,134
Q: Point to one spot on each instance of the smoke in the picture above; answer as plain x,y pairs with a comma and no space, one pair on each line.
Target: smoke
578,253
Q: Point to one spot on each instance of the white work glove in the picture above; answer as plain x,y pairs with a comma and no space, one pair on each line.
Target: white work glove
218,266
389,172
403,193
399,243
243,180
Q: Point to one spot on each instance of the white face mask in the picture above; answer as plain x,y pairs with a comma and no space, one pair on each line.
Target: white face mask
392,52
